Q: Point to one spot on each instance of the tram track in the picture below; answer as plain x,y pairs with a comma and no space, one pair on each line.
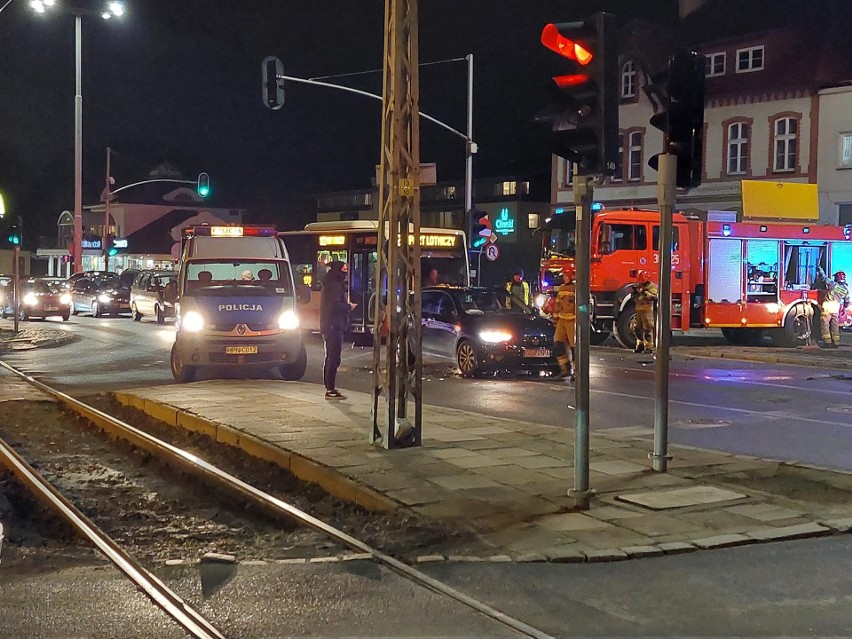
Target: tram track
212,476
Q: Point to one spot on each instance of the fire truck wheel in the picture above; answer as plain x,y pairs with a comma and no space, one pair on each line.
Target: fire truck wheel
799,326
625,325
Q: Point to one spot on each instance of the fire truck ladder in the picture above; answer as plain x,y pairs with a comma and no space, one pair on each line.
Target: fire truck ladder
397,364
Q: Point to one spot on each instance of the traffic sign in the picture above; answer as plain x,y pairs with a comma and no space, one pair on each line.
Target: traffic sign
492,252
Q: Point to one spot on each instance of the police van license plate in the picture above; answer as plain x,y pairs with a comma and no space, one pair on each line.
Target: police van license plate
536,352
240,350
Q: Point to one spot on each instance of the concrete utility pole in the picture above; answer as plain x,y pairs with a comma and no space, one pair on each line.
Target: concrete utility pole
397,364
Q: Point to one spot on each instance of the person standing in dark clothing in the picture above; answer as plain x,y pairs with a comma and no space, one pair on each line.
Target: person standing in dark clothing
334,322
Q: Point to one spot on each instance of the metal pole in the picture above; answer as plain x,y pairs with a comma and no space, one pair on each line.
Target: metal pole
16,290
666,191
107,197
469,145
583,195
78,147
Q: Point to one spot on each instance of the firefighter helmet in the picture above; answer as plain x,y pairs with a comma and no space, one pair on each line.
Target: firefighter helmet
643,277
840,276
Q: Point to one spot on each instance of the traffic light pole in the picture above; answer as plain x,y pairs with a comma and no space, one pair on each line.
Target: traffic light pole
583,197
666,191
16,287
107,198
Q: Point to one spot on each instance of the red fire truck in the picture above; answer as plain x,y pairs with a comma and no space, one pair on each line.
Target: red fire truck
742,277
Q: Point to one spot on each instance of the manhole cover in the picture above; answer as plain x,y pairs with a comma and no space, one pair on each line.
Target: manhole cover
840,409
680,497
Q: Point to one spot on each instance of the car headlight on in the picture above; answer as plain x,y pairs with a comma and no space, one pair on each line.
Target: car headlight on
288,321
65,299
540,300
192,321
103,298
494,337
30,299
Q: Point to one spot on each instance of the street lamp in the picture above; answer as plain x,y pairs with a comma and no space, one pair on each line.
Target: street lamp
111,10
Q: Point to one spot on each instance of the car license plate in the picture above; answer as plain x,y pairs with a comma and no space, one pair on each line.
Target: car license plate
51,308
240,350
536,352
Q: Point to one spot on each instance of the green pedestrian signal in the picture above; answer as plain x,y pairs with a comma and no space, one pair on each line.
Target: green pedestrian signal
14,235
203,185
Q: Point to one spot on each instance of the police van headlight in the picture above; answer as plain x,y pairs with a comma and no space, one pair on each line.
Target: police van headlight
288,321
192,321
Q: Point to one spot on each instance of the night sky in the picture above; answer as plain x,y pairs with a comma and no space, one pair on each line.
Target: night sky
179,80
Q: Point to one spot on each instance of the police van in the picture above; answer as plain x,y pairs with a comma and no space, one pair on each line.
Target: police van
237,303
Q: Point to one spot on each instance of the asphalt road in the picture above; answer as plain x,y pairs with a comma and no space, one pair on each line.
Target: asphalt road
799,588
776,411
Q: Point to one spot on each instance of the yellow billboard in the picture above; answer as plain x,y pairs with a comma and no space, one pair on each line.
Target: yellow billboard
780,200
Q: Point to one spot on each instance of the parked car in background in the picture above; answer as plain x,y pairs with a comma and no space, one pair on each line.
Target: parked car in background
43,298
100,295
153,293
487,330
5,293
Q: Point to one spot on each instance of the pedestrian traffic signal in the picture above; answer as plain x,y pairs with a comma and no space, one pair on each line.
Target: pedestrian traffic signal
481,232
14,236
584,107
113,249
203,185
116,244
272,83
682,121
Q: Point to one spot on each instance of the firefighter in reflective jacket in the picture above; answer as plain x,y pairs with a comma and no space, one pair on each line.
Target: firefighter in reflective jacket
564,316
836,298
519,288
644,294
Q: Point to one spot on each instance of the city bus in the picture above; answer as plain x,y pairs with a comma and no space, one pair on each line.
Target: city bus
354,243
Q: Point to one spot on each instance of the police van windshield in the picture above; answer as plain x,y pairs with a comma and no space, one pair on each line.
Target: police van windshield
251,275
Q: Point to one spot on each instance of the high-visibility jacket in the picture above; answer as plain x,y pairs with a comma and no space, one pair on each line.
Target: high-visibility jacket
524,293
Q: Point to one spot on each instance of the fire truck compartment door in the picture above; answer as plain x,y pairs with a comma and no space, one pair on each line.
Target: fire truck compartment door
725,271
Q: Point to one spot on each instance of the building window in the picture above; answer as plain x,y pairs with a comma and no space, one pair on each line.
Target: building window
786,136
568,173
618,173
509,188
533,220
628,80
845,155
737,148
634,157
750,59
714,64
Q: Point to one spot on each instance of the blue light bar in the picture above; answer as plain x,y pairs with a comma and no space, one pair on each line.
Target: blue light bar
597,206
726,230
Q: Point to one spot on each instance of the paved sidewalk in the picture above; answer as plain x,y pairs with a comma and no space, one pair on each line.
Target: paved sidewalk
508,480
802,356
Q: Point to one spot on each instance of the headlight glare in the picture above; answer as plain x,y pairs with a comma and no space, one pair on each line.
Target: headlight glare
103,298
288,321
192,322
65,298
540,300
30,299
495,337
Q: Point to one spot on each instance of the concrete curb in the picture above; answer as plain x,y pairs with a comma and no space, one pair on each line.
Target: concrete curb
790,360
60,338
302,467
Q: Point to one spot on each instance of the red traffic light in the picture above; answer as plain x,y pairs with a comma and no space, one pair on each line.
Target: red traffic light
567,81
555,41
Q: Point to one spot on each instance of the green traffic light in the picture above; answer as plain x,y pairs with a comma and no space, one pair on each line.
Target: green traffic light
479,242
203,191
15,239
112,252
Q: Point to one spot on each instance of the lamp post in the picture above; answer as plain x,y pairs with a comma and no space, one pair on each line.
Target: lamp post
111,10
